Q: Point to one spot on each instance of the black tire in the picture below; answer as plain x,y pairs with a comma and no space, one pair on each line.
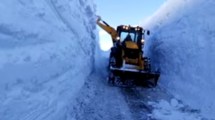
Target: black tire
115,58
112,61
119,62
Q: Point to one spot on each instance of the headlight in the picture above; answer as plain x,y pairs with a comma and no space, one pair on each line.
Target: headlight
142,41
117,38
137,28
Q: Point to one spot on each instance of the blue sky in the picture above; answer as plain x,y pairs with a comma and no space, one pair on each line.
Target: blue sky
128,12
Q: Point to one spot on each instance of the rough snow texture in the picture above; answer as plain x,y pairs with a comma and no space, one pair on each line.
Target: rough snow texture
46,53
163,110
182,44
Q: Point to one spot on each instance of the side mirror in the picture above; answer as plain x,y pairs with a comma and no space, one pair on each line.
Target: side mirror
148,32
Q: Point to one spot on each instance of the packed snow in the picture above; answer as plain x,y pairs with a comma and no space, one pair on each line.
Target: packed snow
47,52
51,66
182,45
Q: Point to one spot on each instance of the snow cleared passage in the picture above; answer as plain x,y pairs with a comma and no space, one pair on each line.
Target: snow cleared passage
48,69
97,100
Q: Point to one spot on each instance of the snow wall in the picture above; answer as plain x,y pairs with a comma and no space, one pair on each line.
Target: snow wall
182,45
46,54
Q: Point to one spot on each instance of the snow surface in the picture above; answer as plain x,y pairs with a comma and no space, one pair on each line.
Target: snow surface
182,44
46,53
49,72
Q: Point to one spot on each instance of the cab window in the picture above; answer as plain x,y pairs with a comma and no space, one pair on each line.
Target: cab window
124,35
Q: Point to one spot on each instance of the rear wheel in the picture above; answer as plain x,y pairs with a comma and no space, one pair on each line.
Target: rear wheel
112,61
115,61
115,58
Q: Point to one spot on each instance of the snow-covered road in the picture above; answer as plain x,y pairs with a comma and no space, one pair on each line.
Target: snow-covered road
97,100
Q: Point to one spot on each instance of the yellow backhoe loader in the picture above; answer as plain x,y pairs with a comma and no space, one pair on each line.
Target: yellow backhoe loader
127,63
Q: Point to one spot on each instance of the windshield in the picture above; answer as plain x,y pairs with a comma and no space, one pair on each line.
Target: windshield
124,35
134,36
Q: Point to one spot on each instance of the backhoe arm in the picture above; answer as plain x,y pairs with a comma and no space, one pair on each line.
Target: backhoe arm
107,28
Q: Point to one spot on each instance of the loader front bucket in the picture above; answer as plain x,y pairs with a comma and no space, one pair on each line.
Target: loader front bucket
140,77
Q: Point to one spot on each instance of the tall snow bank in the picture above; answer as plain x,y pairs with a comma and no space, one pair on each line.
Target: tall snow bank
46,54
182,45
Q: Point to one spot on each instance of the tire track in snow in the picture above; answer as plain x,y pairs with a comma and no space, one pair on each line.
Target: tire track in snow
137,104
98,101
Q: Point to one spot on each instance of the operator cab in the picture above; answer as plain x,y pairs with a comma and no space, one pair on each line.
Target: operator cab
136,34
133,34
